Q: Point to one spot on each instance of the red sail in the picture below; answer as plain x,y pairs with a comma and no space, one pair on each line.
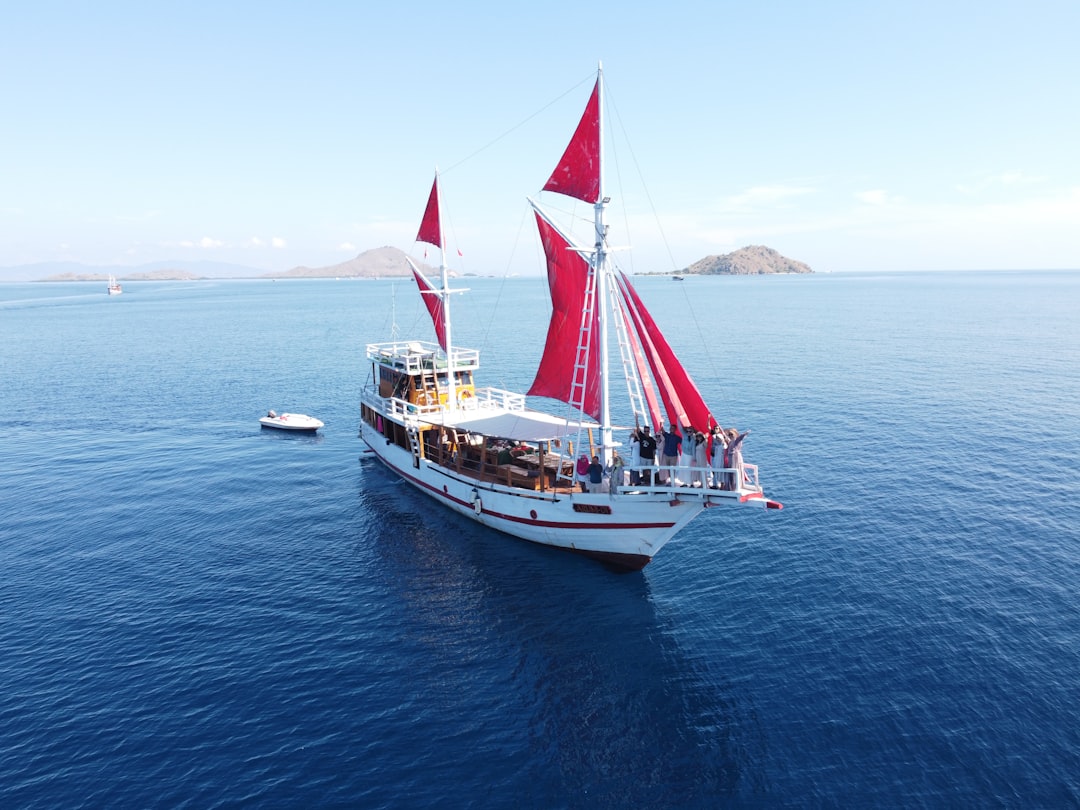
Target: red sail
687,401
578,172
648,390
434,304
430,230
568,276
672,403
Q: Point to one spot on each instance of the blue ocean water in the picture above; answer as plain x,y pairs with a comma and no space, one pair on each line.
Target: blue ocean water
198,613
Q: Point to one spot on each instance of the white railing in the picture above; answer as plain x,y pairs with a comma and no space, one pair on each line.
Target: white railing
678,477
498,398
415,356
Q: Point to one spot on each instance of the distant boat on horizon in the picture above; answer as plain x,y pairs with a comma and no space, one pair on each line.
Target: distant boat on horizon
114,286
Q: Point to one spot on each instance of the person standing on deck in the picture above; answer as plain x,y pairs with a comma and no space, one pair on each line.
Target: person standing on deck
635,456
648,453
596,475
617,476
670,454
699,460
582,470
735,462
719,456
689,449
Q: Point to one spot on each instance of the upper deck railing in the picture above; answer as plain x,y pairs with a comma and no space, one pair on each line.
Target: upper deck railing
416,357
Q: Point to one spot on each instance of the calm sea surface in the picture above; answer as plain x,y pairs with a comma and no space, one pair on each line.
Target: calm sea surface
198,613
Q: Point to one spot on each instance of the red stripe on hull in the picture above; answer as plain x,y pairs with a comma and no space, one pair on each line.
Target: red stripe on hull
548,524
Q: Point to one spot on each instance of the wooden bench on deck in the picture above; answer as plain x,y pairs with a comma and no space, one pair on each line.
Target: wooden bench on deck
515,476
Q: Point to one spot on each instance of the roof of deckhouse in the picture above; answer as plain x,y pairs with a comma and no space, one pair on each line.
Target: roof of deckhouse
525,426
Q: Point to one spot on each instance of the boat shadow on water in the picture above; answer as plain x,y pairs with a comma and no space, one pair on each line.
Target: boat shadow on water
594,686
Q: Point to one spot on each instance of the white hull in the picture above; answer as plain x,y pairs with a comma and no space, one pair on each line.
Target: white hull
625,529
291,421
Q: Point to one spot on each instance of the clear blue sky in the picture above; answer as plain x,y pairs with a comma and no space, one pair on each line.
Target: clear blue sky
850,135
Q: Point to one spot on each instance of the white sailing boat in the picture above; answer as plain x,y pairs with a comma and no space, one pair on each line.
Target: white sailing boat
485,453
114,286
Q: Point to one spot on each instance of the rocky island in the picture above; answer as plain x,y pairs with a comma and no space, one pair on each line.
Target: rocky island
752,260
384,262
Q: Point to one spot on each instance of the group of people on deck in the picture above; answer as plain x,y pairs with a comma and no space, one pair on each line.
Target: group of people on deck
714,460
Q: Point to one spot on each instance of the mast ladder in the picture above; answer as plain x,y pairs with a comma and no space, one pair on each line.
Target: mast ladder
633,382
429,384
414,443
581,361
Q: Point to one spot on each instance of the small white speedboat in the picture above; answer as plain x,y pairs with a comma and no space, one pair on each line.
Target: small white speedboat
290,421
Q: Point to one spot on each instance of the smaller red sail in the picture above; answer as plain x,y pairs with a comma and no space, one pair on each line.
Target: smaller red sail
648,390
686,401
434,304
578,172
668,392
430,230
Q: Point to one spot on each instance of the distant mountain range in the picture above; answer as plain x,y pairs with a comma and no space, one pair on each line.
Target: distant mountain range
752,260
377,263
154,271
383,262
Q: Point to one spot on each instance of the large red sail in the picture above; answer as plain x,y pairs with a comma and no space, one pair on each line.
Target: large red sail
687,402
430,231
568,276
578,172
434,303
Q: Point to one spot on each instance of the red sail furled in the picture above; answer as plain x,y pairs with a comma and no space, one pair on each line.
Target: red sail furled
672,403
578,172
568,276
433,302
694,408
430,231
647,387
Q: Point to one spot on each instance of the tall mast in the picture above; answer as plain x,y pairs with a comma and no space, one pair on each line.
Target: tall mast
601,271
444,294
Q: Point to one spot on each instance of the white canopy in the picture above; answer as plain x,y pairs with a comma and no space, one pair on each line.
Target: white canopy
524,426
